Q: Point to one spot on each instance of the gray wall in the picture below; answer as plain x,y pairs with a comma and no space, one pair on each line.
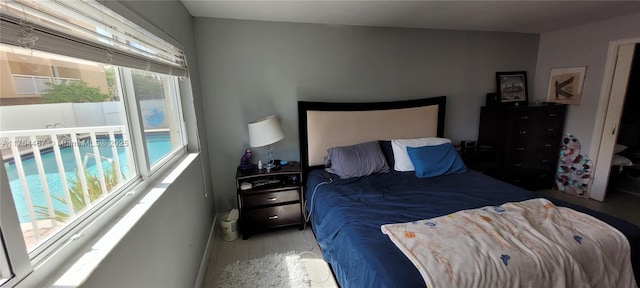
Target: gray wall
586,45
251,69
166,247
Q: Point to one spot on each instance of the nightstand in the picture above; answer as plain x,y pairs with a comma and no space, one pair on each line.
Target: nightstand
267,200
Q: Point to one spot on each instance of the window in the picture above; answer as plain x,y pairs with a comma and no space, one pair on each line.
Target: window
30,84
80,123
157,97
5,269
67,153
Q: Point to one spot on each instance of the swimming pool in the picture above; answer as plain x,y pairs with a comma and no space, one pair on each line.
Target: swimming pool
158,145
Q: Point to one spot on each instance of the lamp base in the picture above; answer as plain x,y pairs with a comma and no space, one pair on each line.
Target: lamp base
271,166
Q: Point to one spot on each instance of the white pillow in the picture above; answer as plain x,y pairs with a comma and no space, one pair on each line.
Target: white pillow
619,148
621,161
400,155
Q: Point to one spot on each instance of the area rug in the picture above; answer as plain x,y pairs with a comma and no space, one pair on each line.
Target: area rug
274,270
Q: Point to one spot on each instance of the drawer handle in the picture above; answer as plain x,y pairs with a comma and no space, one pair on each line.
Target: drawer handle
547,145
551,129
515,180
543,175
524,117
546,160
523,132
518,165
552,114
272,199
274,217
520,149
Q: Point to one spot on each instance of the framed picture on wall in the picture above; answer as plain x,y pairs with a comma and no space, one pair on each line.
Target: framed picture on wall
565,85
512,88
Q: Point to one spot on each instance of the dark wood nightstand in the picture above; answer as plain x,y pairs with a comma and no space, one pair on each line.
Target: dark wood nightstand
268,200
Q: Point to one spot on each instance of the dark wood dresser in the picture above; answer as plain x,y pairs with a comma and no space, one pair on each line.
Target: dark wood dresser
268,200
527,140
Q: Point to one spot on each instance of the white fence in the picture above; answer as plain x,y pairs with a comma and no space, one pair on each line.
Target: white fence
76,115
33,141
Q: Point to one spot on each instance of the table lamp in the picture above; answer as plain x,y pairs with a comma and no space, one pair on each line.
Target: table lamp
264,132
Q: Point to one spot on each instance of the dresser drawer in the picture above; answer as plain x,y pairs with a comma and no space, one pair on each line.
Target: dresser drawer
270,198
545,160
539,161
531,179
275,216
523,118
552,115
536,130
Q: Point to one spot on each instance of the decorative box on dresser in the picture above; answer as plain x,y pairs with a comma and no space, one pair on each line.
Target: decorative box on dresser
527,139
268,200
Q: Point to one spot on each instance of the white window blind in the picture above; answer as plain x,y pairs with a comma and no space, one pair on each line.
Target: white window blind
87,30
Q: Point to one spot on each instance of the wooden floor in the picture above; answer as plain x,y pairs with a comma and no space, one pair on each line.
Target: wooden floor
621,205
260,245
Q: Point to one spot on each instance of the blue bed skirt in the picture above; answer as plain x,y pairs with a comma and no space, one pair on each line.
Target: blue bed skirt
346,216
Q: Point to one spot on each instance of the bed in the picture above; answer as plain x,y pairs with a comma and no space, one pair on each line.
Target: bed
346,214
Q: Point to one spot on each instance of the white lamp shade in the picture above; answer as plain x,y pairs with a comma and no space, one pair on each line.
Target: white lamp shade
265,131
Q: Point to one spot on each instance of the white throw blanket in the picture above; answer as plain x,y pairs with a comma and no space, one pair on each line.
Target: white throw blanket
524,244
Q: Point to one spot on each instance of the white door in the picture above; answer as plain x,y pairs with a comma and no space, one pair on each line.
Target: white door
612,121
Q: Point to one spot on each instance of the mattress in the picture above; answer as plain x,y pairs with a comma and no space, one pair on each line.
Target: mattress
346,215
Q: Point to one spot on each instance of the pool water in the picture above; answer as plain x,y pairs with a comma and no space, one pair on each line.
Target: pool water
158,145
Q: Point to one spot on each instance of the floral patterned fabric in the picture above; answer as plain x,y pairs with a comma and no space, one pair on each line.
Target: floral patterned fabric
574,168
532,243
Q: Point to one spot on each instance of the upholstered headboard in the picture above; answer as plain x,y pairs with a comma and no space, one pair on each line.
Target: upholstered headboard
324,125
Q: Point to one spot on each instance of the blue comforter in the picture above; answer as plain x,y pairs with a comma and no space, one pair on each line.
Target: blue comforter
346,216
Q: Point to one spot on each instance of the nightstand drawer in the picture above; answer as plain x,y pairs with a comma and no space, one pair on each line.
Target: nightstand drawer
271,198
274,216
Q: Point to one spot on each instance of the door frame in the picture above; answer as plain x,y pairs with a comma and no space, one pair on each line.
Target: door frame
602,170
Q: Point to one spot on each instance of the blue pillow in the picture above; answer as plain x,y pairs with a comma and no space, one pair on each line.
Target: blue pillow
357,160
437,160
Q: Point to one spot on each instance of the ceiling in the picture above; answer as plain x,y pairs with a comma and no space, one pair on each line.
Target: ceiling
505,16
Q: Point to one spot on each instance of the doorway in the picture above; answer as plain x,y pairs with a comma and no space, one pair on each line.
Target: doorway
625,166
609,151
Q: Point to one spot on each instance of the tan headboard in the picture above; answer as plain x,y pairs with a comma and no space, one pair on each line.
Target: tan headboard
325,125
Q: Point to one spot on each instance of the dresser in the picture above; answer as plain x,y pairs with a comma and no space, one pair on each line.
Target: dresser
268,200
527,140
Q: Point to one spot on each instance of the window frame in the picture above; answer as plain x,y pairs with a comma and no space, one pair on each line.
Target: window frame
34,268
5,266
55,253
132,102
13,243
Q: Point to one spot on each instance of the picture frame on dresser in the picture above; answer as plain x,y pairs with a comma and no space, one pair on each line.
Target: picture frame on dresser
512,88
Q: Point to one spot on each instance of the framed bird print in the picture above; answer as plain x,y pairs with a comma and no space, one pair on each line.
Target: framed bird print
565,85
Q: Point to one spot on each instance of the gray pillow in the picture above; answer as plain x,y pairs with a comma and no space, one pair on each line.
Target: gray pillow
357,160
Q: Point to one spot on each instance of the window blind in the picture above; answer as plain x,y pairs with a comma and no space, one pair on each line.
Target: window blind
87,30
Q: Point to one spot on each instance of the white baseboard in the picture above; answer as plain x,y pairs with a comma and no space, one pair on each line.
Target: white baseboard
206,256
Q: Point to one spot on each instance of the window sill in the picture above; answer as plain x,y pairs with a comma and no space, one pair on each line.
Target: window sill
83,253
